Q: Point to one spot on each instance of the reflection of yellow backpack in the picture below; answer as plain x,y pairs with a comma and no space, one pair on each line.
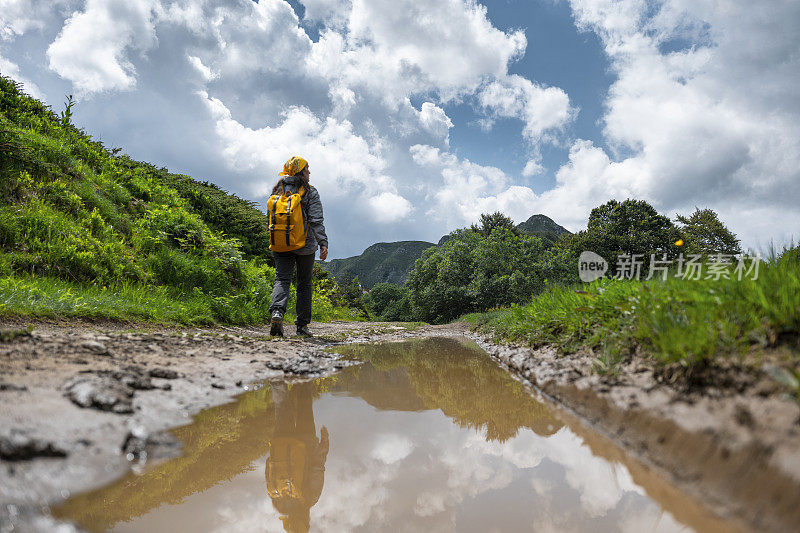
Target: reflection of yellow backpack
287,462
287,231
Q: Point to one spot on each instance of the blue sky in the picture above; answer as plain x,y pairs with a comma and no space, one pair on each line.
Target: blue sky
557,55
419,116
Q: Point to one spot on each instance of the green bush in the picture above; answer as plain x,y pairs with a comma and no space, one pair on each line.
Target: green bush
390,302
476,270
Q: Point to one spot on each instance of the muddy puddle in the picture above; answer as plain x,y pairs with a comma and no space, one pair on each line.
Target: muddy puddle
426,435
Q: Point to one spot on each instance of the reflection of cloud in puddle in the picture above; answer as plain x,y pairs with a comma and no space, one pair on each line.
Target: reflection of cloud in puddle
430,503
244,505
600,484
419,471
353,494
452,467
391,447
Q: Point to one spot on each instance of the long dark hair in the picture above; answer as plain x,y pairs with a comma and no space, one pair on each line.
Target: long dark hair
279,187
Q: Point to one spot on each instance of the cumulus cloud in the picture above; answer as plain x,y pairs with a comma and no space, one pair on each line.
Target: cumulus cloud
469,189
91,49
204,71
532,168
540,108
347,163
389,207
20,16
393,48
705,103
11,69
435,120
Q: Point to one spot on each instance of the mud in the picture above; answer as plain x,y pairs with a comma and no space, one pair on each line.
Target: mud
729,436
82,403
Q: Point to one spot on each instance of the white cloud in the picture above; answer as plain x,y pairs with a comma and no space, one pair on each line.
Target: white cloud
542,109
388,207
468,189
705,105
204,71
532,168
11,69
436,121
342,163
258,37
394,48
20,16
91,49
333,13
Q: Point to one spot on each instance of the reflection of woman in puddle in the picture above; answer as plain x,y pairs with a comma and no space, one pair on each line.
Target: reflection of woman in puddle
295,470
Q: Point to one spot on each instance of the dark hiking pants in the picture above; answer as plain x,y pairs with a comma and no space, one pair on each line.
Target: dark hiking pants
284,268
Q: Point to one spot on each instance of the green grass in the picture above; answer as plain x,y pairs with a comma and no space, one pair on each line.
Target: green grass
34,296
86,232
677,321
49,297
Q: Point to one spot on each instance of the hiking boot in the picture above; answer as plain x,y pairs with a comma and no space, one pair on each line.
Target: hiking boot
276,324
302,331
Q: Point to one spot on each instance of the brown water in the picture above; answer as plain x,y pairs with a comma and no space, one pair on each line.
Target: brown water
426,435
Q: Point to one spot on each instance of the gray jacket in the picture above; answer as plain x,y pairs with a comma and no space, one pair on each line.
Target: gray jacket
312,216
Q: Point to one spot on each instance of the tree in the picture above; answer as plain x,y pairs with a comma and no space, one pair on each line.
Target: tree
473,271
703,233
382,295
632,227
400,310
351,294
439,283
506,268
489,222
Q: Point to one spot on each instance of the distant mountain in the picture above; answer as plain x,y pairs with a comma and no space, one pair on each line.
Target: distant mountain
541,224
543,227
384,262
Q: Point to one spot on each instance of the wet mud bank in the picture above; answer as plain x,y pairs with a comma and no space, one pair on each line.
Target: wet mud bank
83,403
734,444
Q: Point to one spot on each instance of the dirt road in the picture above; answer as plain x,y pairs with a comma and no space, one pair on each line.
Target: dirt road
81,403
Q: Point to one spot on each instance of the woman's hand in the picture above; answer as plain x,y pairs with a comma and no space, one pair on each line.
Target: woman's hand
323,252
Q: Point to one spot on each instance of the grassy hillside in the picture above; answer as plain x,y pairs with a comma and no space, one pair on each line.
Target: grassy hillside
384,262
86,232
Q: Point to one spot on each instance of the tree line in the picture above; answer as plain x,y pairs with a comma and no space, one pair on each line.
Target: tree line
493,264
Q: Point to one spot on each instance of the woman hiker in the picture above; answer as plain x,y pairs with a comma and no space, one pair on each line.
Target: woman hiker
294,190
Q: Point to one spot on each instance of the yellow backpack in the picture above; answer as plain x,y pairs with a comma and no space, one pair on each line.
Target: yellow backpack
287,231
286,468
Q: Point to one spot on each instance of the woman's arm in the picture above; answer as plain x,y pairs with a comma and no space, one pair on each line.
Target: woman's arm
316,221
